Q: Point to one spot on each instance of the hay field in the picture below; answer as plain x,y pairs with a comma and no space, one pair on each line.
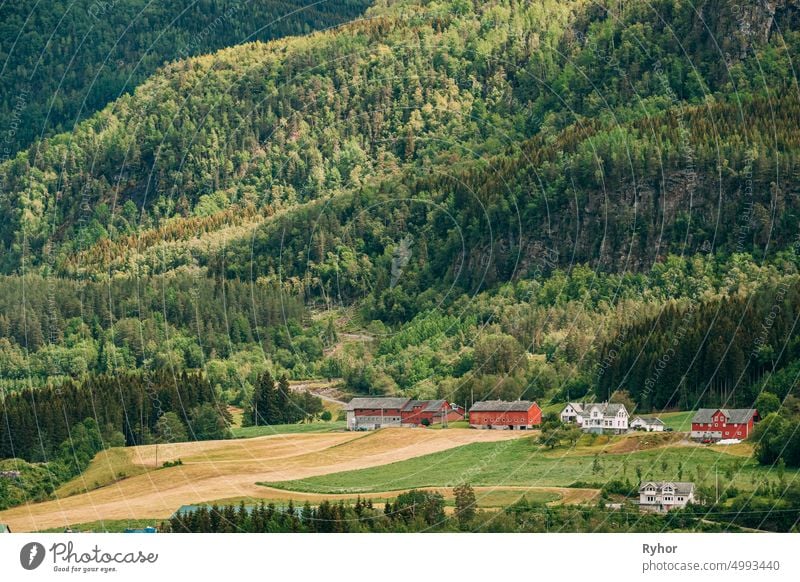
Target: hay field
214,470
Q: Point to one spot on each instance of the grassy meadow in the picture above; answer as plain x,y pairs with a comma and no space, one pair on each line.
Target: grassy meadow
523,462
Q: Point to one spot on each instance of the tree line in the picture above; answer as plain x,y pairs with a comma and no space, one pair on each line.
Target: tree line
273,403
422,511
126,407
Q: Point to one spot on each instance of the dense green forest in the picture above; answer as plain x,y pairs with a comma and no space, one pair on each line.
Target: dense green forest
449,110
478,178
547,199
37,421
56,329
64,60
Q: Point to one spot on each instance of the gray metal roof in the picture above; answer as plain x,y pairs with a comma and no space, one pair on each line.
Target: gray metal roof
608,408
384,403
681,487
427,405
501,406
435,405
735,415
648,420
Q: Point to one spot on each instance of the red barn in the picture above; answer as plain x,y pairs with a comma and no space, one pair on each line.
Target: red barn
428,412
372,413
499,414
713,424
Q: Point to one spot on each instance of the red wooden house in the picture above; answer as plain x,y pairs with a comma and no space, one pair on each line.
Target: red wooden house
499,414
713,424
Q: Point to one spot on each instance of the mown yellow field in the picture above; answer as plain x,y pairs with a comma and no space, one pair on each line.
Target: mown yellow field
225,469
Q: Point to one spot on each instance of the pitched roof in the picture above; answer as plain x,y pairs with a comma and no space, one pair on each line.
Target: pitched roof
427,405
681,487
649,420
380,403
607,408
435,405
736,415
501,405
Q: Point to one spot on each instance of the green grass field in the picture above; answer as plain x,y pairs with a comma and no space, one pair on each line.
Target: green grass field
677,421
506,497
256,431
522,462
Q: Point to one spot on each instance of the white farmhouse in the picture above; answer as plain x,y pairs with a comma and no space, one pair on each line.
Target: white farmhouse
661,496
650,424
597,417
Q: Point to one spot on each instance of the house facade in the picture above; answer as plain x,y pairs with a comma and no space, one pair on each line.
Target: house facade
504,415
662,496
714,424
648,424
374,413
597,417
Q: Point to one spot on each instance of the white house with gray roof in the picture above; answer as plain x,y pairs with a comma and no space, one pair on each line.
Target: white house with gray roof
648,423
662,496
597,417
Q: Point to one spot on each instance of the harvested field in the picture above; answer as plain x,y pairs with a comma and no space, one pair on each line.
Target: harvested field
223,469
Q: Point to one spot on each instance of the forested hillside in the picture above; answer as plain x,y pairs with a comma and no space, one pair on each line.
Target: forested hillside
61,61
504,198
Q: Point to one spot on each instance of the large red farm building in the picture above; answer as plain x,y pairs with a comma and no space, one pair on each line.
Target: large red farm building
499,414
713,424
371,413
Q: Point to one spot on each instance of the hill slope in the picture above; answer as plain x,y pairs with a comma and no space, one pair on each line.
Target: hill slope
62,61
465,175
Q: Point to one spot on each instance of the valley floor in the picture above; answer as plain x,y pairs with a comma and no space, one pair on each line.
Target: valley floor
127,483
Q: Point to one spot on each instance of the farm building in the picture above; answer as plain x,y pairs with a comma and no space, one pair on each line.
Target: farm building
714,424
499,414
597,416
372,413
661,496
649,424
428,412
